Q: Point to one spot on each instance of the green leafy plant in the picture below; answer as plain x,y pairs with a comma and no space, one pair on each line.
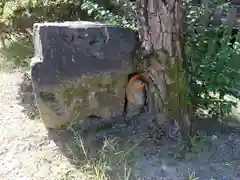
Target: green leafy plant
212,63
125,17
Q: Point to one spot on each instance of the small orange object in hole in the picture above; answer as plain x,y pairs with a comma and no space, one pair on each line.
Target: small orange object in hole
136,87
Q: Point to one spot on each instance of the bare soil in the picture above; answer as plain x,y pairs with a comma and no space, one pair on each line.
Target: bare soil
25,152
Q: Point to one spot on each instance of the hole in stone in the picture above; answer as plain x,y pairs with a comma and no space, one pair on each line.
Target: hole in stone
47,96
93,116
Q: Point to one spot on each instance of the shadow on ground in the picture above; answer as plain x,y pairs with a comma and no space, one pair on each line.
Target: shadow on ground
17,52
144,149
105,150
26,97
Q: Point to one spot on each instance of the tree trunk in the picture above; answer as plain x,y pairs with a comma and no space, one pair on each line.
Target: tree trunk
161,34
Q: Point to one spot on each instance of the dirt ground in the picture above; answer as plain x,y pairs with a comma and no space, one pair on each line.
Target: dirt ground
28,152
25,151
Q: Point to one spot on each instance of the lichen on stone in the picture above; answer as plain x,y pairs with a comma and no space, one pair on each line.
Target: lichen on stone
100,95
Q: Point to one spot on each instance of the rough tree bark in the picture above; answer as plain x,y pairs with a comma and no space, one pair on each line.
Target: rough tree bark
161,34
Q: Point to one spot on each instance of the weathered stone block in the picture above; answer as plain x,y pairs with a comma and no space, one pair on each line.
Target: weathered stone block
80,69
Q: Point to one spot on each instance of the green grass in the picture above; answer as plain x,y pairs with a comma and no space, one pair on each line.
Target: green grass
192,176
16,54
111,161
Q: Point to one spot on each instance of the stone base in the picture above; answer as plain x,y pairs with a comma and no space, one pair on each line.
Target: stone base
80,70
